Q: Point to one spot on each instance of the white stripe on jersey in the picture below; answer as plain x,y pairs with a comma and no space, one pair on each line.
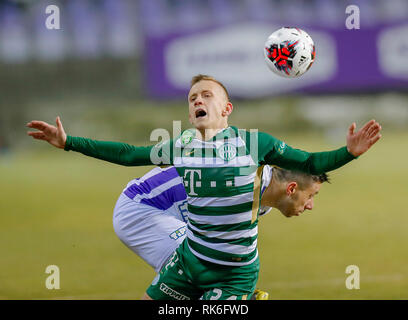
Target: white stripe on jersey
199,144
210,162
225,219
224,247
244,180
220,201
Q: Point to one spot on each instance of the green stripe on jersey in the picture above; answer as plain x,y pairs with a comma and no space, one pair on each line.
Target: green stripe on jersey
217,211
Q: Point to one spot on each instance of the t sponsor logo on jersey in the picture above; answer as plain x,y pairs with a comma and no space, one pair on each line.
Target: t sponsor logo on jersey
227,151
192,181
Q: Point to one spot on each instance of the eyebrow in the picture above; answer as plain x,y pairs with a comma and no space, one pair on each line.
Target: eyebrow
202,92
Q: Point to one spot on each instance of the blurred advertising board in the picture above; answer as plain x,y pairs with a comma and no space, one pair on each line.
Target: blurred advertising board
367,59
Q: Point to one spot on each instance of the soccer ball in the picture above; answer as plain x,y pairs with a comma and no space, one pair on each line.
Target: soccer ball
289,52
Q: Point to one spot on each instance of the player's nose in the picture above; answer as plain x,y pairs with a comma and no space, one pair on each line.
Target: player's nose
309,205
198,101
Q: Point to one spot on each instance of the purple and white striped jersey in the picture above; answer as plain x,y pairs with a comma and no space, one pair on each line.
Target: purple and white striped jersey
160,188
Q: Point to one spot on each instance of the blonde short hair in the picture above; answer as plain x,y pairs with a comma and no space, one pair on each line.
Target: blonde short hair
200,77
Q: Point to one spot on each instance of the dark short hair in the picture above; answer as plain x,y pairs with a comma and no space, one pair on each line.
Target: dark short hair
304,180
200,77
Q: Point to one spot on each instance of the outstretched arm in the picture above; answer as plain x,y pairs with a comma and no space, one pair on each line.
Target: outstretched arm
115,152
280,154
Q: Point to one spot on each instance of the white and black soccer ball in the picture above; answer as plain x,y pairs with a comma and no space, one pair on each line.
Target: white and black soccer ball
289,52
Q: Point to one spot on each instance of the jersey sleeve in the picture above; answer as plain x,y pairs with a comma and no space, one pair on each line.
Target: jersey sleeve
122,153
276,152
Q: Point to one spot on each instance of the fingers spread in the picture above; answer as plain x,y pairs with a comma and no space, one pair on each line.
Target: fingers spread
375,139
352,128
367,126
40,125
30,133
375,130
37,135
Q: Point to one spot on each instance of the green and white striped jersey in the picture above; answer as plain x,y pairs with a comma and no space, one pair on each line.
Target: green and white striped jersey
222,178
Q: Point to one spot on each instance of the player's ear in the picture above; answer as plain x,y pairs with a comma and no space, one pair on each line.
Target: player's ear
228,109
291,188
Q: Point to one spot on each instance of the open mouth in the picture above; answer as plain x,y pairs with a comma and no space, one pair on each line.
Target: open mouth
200,113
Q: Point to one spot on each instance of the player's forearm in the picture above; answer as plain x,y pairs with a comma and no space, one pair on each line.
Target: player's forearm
316,162
276,152
115,152
321,162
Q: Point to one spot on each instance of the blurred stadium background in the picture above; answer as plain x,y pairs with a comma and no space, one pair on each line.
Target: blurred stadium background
117,69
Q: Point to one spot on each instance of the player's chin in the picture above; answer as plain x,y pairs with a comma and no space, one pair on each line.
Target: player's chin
200,123
295,214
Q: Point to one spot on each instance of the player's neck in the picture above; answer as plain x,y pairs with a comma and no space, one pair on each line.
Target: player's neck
271,195
207,134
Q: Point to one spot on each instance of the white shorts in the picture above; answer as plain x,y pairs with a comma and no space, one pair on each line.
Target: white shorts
149,232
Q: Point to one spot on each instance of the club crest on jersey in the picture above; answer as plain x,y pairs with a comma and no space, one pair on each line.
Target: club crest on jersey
227,151
187,137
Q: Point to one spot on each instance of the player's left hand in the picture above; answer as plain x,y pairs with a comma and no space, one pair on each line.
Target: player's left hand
360,141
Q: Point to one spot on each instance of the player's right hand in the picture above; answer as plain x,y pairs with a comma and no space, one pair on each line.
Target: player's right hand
53,135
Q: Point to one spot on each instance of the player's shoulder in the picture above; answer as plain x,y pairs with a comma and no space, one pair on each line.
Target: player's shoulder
245,131
240,132
254,135
165,170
